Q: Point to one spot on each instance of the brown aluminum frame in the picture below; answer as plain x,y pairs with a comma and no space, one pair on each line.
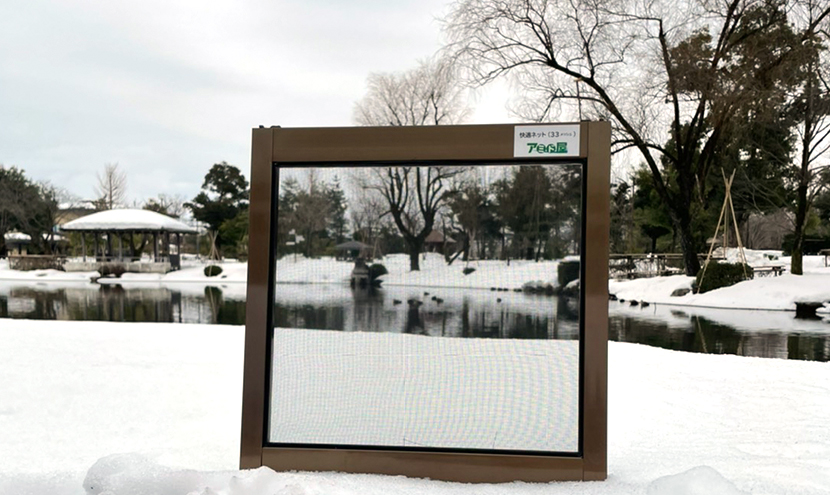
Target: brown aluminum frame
488,144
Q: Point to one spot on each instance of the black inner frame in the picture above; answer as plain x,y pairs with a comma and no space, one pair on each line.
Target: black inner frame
274,199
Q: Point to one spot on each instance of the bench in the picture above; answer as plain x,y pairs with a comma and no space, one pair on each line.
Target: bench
765,271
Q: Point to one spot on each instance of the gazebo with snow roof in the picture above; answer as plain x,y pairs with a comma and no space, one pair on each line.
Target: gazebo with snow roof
115,224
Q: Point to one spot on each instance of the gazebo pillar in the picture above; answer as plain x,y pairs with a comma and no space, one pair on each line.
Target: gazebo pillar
95,238
155,247
83,245
120,247
108,255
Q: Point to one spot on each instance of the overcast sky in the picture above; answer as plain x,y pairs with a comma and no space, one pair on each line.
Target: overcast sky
167,88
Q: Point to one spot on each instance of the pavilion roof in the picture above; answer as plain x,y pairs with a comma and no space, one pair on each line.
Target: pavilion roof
127,220
17,237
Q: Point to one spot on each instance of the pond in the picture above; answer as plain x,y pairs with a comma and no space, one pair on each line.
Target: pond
428,311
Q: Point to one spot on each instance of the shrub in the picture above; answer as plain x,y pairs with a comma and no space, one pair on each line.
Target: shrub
212,270
567,272
112,269
376,270
721,275
468,270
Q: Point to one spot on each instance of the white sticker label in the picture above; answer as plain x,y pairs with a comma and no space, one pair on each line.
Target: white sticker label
546,140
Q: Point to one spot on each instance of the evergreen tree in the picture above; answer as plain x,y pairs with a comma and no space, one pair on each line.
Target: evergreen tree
337,210
224,195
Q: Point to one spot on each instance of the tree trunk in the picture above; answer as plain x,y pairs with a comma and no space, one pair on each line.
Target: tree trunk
687,244
414,252
796,265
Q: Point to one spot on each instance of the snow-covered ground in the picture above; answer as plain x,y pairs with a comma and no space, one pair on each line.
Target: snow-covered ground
155,409
434,272
296,269
43,275
768,292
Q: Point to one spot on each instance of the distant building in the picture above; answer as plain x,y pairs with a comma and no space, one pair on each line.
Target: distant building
108,230
436,242
17,243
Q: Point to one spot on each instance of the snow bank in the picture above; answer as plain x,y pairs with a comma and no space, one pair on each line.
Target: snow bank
769,293
44,275
74,393
763,292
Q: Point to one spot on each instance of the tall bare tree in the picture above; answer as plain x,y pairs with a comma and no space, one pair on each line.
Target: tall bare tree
111,188
430,94
691,71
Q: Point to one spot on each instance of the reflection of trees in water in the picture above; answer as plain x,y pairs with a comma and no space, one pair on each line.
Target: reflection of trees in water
562,322
414,321
368,314
705,336
114,303
309,316
808,347
468,318
213,296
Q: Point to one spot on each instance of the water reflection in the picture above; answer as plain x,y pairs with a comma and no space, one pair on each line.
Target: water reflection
93,302
447,313
770,334
461,314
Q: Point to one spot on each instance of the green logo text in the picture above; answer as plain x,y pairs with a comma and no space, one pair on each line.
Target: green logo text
547,148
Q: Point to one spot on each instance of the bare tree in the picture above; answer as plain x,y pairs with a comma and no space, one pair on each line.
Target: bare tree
413,197
111,188
693,71
427,95
167,204
367,215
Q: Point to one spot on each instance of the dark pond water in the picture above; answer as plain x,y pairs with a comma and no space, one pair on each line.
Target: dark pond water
460,313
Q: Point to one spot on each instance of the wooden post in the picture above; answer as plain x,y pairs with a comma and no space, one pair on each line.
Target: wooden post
83,245
95,237
109,256
155,247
